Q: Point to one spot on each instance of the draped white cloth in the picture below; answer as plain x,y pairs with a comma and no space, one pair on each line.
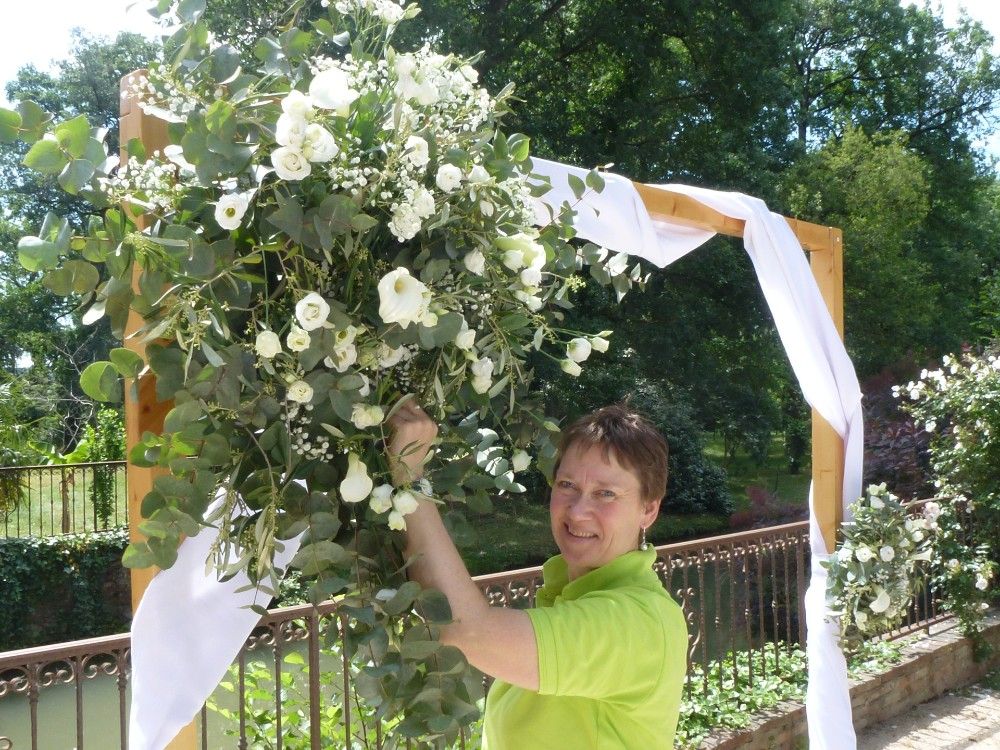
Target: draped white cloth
189,627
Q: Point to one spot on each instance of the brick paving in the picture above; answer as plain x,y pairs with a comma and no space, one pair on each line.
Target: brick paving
966,719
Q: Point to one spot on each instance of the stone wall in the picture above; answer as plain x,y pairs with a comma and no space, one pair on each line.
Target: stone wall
931,666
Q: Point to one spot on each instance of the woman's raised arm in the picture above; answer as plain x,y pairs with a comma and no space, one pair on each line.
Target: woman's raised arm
497,641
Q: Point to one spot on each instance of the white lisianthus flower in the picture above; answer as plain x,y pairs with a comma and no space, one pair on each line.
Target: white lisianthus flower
448,178
319,144
387,356
297,339
300,392
570,367
403,299
290,130
599,344
297,105
404,502
578,349
229,210
513,259
342,357
405,222
475,262
268,344
331,89
887,553
367,415
521,460
864,554
478,175
290,163
381,499
396,521
356,484
482,375
882,601
465,339
531,276
312,311
416,151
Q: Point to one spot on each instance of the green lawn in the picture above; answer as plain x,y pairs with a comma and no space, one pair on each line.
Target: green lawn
791,489
40,511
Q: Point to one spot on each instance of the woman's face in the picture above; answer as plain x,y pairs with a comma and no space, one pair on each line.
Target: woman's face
596,509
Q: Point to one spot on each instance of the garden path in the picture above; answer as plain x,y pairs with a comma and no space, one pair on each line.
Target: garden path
966,719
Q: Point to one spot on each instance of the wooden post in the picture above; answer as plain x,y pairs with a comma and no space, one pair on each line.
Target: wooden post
826,258
143,412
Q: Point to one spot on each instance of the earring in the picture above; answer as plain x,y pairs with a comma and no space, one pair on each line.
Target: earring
643,544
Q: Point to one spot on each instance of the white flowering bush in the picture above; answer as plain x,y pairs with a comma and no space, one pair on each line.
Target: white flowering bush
959,405
337,230
876,570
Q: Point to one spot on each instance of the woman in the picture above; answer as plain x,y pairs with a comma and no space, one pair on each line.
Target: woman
599,662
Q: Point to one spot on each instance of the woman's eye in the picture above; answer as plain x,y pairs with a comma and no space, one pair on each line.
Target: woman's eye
564,484
606,495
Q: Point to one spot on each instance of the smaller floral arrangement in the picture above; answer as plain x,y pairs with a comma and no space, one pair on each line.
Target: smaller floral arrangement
875,572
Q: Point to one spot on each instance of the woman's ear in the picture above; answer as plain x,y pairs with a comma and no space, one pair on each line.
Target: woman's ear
651,511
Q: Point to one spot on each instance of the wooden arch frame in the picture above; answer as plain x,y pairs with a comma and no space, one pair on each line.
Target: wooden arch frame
144,412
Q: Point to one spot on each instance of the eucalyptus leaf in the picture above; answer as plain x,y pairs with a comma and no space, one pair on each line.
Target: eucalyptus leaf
100,382
46,157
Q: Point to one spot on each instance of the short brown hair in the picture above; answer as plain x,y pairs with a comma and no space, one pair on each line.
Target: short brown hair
635,442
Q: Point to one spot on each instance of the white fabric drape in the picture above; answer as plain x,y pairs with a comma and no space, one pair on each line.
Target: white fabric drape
190,627
617,219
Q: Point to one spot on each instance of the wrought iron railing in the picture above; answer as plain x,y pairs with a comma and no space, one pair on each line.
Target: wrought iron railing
742,593
67,499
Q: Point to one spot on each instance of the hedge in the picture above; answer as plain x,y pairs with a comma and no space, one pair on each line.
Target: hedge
62,588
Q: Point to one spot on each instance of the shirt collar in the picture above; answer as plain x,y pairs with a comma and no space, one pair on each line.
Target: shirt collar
628,568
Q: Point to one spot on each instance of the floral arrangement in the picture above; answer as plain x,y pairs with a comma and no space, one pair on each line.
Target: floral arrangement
335,231
958,404
873,575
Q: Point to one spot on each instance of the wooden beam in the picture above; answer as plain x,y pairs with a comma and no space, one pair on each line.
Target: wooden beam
826,258
143,412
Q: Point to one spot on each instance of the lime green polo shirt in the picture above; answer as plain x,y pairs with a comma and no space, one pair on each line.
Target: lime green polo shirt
612,654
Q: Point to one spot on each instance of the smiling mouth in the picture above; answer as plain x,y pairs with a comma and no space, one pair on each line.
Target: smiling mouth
580,534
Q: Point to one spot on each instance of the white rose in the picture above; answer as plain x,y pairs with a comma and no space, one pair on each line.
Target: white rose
404,502
367,415
331,89
931,511
290,163
982,582
342,357
356,485
319,144
229,210
887,553
396,521
448,178
465,339
478,175
267,344
578,349
416,151
882,601
298,105
387,356
482,384
311,311
844,554
297,339
405,223
381,499
388,12
290,130
521,460
405,65
531,276
403,299
475,262
300,391
864,554
599,344
570,367
422,202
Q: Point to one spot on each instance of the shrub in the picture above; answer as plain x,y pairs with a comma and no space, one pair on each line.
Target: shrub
62,588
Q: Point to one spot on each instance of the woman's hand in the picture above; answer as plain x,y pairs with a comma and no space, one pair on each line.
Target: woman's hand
412,434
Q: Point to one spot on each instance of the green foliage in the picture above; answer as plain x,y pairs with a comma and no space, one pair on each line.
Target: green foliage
62,588
106,442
